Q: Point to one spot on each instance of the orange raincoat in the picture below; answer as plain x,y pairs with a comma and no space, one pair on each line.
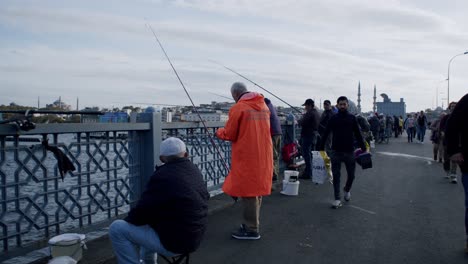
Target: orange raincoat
248,128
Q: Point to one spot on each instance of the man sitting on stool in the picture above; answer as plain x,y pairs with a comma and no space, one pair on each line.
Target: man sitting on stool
171,216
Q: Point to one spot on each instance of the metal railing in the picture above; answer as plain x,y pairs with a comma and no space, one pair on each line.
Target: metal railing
113,164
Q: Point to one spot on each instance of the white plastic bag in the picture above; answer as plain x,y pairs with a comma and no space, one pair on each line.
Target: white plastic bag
321,167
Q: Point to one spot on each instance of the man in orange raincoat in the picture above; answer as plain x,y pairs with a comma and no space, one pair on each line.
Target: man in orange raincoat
248,128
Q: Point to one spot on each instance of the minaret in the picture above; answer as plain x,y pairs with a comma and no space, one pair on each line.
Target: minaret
38,102
375,98
77,103
359,98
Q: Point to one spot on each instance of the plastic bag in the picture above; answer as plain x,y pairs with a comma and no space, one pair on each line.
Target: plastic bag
321,167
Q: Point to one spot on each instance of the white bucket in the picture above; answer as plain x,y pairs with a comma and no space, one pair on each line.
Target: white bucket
289,173
70,244
290,188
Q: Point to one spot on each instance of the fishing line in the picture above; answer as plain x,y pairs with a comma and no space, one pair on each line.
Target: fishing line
193,104
254,83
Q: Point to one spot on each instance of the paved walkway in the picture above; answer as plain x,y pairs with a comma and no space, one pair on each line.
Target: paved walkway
402,211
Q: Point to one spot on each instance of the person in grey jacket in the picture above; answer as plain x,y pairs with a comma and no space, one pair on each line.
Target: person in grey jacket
170,217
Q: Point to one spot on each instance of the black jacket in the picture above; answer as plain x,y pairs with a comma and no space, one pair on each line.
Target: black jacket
175,205
326,115
345,130
456,132
309,123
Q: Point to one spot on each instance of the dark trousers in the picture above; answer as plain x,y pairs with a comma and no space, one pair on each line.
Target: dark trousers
465,187
348,159
307,145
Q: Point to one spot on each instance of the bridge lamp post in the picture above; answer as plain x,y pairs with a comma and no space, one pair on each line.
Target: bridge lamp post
448,75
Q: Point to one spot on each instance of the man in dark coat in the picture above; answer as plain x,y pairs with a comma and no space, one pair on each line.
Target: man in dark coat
457,147
171,216
345,129
450,167
326,115
309,135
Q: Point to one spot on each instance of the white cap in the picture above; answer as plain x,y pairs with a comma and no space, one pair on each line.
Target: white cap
172,146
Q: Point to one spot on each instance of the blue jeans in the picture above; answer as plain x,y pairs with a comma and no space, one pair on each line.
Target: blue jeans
350,164
409,132
125,237
465,187
422,133
307,145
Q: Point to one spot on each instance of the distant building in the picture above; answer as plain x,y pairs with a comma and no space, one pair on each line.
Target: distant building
211,116
387,107
114,117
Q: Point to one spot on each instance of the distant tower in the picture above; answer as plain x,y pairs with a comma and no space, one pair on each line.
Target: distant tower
77,103
359,98
38,102
375,98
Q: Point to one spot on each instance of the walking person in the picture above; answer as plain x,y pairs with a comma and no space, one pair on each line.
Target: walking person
248,128
382,128
345,129
437,151
396,126
450,167
422,126
171,216
324,118
276,133
457,147
400,125
409,127
375,126
309,135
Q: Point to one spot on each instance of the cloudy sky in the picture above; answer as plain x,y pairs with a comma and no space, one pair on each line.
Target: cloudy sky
102,53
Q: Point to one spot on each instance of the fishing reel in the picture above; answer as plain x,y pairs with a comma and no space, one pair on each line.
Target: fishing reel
21,124
25,125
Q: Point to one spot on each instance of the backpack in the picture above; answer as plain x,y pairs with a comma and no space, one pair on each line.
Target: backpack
363,123
289,152
411,122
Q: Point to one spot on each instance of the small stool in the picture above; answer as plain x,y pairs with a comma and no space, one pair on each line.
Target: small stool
176,259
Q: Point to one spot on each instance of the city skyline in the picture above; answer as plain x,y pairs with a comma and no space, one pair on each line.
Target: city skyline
104,54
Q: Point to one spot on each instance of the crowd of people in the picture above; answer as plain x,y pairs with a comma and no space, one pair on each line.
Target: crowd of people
170,217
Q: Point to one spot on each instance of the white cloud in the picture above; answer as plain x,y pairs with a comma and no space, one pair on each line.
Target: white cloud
296,49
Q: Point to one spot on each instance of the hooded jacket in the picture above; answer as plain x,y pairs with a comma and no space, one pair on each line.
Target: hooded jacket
275,125
248,128
456,132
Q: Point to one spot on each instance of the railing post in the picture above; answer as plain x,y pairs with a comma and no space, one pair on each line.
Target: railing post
144,146
149,145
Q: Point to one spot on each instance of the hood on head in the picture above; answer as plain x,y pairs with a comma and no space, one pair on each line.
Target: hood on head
255,100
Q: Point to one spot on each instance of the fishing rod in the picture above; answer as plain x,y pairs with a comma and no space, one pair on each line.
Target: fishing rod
27,112
172,105
256,85
193,104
